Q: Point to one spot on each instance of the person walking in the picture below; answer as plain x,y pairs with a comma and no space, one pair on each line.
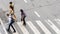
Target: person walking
11,21
12,10
11,7
23,16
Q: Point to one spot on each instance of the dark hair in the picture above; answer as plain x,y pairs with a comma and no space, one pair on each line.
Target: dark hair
10,2
7,14
21,10
12,8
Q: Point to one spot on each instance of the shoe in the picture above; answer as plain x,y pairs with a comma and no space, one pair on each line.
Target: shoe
24,23
7,30
14,31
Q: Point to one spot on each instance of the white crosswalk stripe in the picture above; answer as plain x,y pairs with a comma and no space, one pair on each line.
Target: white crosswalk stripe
0,32
24,30
25,1
43,27
3,26
53,26
36,13
34,29
58,21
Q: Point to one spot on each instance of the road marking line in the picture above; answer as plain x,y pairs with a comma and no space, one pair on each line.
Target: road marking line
36,13
3,26
0,32
34,29
57,20
43,27
53,26
25,1
24,30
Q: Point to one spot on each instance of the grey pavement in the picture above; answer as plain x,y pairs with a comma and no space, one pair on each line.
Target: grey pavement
46,9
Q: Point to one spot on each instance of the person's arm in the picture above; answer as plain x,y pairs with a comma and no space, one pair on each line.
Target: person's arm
15,17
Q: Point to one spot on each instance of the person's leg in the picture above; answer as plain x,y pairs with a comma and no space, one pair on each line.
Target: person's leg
24,23
13,28
21,19
9,26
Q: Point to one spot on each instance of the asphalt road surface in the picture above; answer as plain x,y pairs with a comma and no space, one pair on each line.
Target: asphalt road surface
43,16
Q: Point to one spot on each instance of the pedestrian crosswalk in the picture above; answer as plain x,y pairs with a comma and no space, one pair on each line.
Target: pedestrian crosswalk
3,26
24,30
46,31
58,21
38,19
53,26
35,30
43,27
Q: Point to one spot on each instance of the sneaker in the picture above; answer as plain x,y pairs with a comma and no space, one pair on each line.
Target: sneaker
24,23
7,30
14,31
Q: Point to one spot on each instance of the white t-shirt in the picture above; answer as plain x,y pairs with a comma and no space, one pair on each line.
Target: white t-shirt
9,19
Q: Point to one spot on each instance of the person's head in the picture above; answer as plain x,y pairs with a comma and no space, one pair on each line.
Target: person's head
10,2
7,14
21,10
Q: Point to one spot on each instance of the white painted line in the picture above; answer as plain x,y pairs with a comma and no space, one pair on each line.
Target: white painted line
3,26
25,1
0,32
53,26
43,27
24,30
34,29
58,21
36,13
